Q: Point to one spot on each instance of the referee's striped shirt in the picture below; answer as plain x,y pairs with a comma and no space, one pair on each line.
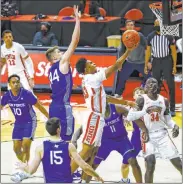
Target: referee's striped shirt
160,44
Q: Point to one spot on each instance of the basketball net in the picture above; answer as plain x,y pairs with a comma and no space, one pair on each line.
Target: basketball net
164,29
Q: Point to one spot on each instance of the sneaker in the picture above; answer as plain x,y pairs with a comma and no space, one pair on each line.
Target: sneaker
127,181
19,176
77,176
172,113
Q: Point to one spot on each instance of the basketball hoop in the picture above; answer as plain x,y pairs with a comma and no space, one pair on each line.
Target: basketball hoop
164,29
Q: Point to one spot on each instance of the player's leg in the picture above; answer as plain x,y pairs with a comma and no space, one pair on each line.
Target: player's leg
150,167
85,153
125,172
26,144
24,81
127,151
17,147
177,163
102,154
168,150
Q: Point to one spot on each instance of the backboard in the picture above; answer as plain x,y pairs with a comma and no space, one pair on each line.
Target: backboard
172,12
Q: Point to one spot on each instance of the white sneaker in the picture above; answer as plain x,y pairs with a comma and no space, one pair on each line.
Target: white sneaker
127,181
19,176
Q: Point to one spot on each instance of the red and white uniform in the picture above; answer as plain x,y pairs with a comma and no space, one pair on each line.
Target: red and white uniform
15,63
159,138
95,98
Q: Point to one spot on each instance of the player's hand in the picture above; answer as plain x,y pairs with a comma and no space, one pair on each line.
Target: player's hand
99,179
31,82
22,166
146,70
144,136
174,71
77,13
175,131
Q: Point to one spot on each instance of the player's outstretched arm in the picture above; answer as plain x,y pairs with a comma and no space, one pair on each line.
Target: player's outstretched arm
33,166
114,100
135,114
41,108
75,39
84,166
169,121
124,111
117,65
76,136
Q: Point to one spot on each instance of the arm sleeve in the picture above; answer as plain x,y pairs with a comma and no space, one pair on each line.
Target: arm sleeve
23,52
31,98
96,79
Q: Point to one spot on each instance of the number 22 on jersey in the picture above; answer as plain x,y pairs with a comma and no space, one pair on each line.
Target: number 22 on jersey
53,77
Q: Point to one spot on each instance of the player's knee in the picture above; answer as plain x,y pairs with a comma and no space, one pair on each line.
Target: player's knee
133,162
151,162
17,149
125,166
25,148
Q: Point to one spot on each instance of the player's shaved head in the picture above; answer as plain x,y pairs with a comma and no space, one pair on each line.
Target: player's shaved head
52,126
151,85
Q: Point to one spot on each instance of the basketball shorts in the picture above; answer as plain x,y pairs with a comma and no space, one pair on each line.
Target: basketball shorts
23,80
160,141
122,146
64,113
93,130
24,130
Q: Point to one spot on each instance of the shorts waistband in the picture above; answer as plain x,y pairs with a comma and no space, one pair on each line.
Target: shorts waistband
164,129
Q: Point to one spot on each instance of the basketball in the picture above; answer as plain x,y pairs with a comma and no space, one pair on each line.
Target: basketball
131,38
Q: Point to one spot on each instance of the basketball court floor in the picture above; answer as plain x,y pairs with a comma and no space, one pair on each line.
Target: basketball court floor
109,170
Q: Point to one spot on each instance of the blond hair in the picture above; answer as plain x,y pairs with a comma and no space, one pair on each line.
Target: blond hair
49,53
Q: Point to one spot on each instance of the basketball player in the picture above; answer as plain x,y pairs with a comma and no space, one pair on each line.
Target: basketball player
55,155
95,98
61,83
135,140
20,102
115,138
154,108
18,60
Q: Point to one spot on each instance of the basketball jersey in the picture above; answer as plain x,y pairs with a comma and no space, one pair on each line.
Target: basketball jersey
61,85
114,127
56,162
21,105
94,93
154,121
14,57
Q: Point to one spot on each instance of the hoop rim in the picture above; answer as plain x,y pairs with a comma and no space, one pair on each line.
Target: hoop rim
157,5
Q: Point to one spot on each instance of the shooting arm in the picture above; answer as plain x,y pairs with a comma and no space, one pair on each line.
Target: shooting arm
117,65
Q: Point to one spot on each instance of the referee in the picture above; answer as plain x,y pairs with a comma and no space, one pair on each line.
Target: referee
164,58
